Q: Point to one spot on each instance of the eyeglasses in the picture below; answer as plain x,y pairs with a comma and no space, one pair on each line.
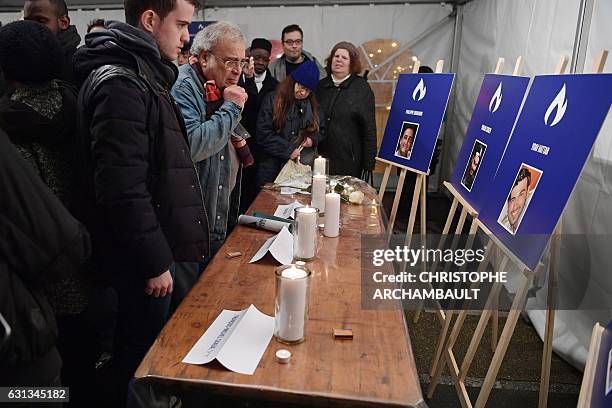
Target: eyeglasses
291,43
232,64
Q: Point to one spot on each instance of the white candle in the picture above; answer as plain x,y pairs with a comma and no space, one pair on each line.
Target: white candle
320,166
292,304
332,215
319,183
305,239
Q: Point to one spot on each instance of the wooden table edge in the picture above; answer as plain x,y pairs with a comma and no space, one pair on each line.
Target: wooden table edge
338,398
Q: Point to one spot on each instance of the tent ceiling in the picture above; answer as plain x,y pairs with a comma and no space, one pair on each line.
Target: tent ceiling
16,5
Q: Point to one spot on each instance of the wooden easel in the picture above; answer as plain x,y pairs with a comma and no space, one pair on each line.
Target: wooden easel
420,186
459,374
598,66
445,318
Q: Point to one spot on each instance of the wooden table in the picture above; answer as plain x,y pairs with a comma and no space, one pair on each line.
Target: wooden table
376,368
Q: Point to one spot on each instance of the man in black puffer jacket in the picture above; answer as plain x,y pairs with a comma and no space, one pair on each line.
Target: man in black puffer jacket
137,168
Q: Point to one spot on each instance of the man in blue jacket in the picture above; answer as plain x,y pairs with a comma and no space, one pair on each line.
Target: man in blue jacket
211,102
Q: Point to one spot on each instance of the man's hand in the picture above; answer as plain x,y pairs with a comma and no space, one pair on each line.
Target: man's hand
295,154
249,69
236,94
160,286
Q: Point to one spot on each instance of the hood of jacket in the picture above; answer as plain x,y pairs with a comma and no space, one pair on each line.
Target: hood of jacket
123,44
69,39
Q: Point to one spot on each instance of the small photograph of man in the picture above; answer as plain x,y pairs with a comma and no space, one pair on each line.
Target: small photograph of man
519,197
471,170
405,141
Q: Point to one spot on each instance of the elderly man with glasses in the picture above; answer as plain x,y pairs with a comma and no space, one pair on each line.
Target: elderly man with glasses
211,103
294,55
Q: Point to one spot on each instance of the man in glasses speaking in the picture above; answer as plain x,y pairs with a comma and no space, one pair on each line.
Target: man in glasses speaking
294,55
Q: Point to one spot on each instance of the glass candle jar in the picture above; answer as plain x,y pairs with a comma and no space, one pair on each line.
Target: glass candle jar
305,233
291,302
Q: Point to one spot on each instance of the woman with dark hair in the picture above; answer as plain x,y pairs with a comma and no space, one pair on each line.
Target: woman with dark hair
290,124
348,104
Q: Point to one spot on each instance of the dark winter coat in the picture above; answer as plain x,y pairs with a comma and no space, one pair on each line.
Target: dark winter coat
41,122
41,243
148,209
350,120
276,148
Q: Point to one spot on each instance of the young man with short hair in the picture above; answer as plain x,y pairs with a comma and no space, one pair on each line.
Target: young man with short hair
143,204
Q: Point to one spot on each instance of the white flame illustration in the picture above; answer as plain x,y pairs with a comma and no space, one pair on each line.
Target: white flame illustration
419,91
559,103
496,99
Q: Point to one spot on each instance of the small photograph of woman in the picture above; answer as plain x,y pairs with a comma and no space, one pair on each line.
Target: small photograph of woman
290,124
348,104
406,139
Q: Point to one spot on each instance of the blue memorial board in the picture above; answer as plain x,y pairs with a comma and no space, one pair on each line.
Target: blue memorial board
555,132
494,115
414,121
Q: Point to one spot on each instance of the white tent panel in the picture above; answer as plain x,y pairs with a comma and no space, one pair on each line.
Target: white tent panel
540,31
325,26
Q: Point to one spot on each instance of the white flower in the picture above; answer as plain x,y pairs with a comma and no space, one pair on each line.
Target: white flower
356,197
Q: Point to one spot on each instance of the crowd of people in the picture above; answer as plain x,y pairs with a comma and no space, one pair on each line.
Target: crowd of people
122,173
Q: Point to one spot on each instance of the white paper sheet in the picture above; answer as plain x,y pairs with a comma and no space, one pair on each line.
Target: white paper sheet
287,210
289,190
300,184
237,339
280,247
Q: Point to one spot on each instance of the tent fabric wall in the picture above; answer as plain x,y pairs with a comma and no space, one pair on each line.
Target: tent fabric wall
325,26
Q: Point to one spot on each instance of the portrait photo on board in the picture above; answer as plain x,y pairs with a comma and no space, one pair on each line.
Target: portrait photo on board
406,139
519,197
473,165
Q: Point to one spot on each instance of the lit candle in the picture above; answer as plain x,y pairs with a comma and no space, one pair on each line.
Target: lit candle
319,184
291,304
305,235
320,166
332,215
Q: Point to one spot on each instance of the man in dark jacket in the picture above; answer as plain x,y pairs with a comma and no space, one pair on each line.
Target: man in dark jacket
54,14
138,171
41,243
258,84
